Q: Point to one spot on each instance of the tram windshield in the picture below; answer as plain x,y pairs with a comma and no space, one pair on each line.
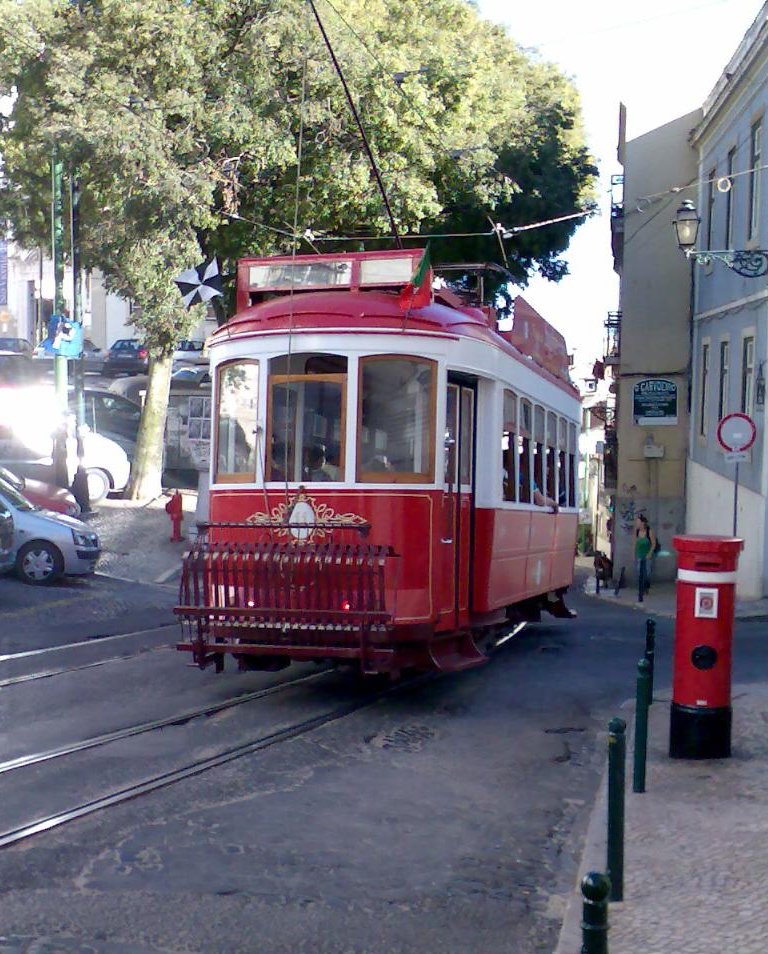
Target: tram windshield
307,402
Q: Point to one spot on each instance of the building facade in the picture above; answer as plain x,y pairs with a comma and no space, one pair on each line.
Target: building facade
731,310
648,343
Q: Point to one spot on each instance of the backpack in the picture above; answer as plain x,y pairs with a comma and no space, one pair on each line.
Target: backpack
657,548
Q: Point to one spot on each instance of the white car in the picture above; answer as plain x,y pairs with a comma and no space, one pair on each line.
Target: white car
106,465
48,545
191,351
28,420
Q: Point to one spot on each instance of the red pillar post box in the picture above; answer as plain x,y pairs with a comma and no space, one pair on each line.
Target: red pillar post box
700,720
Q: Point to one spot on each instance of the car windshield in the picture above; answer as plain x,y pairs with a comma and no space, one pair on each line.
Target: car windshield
14,498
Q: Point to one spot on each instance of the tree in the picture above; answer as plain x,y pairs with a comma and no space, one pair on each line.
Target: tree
202,127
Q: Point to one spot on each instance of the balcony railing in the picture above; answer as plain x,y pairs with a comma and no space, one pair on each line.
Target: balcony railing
612,326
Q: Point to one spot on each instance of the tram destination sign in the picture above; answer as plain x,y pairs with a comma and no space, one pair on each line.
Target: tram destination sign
654,402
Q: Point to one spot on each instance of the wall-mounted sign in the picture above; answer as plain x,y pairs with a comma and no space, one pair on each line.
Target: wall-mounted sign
654,401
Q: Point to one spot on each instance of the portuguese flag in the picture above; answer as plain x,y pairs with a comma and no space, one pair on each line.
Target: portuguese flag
418,292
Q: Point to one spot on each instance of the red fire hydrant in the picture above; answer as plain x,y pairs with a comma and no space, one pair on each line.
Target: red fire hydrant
175,511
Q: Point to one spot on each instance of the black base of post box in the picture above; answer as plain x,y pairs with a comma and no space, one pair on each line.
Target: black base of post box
699,733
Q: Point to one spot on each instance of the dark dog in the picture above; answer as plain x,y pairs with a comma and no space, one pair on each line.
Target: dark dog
603,567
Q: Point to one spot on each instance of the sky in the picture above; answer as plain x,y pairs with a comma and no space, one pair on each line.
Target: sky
616,51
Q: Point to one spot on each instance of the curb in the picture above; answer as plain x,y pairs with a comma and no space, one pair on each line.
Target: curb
593,856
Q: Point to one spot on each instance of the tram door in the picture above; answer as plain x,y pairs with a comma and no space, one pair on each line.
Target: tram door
457,502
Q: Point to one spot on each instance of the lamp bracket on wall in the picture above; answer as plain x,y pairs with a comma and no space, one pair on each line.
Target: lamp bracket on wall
751,263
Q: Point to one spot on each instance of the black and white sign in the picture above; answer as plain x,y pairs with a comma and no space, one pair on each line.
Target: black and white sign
199,284
654,402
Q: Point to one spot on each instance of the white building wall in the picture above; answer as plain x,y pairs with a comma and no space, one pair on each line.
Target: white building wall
710,510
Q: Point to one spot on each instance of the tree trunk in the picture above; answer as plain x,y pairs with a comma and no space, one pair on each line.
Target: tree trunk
147,468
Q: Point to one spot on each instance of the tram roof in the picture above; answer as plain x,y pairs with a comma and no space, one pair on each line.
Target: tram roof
380,310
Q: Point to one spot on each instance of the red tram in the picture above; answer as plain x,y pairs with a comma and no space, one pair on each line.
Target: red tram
390,487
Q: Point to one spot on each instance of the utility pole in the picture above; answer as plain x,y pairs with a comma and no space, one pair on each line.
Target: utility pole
60,469
80,483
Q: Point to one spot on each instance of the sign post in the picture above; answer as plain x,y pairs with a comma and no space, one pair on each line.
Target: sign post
736,434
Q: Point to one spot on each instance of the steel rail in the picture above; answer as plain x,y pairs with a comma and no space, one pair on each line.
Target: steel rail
36,758
165,779
63,670
92,641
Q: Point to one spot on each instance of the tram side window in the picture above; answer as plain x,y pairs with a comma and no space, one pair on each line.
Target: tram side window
509,448
524,451
236,422
552,456
572,465
562,460
396,420
307,399
467,430
538,448
451,434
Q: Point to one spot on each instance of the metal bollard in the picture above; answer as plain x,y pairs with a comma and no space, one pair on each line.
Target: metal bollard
595,888
650,654
641,725
617,754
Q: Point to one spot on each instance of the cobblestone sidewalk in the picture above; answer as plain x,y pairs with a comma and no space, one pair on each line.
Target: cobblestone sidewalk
136,538
696,868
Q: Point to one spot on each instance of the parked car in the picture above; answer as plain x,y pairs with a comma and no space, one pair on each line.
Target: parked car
93,357
190,351
110,415
17,369
45,495
7,548
48,545
16,346
198,376
126,356
106,464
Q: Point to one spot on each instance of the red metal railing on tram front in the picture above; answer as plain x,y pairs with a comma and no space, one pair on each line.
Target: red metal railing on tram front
264,597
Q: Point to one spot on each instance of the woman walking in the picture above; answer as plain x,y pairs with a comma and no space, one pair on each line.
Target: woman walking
645,545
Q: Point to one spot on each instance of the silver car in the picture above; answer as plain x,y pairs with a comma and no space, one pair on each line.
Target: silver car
48,545
7,549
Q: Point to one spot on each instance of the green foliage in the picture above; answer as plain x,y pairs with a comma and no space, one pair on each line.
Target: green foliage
179,114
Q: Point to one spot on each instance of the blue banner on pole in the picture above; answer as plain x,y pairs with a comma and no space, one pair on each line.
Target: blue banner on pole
65,337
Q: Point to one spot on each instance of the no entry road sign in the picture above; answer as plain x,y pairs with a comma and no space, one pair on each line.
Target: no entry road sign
736,432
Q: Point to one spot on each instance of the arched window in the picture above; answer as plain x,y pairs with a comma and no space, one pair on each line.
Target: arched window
236,430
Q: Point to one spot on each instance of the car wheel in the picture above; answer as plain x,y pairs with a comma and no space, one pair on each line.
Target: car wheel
98,484
39,563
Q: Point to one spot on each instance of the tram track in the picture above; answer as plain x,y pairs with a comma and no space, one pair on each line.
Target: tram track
89,645
129,732
162,780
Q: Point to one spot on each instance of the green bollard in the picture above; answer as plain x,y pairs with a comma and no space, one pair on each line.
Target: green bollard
595,888
617,756
650,654
641,725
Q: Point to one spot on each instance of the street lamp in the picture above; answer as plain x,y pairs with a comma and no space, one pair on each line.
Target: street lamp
751,263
